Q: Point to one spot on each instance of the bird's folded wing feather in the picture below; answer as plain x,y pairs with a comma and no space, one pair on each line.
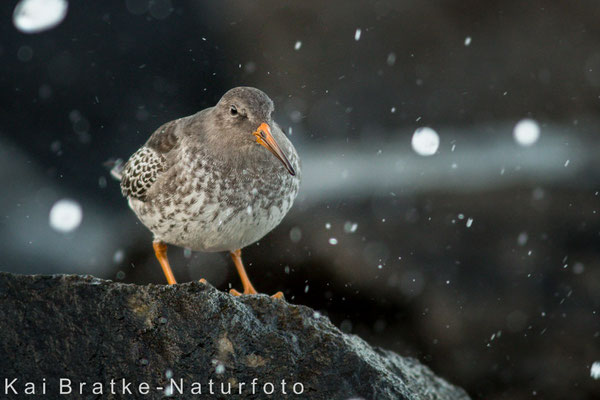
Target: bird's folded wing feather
145,165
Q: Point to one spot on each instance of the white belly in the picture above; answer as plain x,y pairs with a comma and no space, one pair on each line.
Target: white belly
200,223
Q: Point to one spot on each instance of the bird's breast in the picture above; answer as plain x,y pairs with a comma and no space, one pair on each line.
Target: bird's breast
207,205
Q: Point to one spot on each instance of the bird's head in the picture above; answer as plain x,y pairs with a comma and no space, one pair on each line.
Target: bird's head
247,111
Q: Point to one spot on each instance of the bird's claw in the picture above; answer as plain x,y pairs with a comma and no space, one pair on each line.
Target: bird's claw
278,295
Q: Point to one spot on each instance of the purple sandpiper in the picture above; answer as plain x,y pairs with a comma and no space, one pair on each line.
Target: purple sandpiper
218,180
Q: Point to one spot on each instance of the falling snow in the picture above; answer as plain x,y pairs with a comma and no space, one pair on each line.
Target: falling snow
298,45
526,132
295,234
357,34
467,41
33,16
333,241
522,239
350,227
595,370
425,141
65,215
119,256
391,59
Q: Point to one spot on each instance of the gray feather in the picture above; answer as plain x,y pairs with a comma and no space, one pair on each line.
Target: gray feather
140,172
145,165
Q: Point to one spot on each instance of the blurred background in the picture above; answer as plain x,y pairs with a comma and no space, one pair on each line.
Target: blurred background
449,207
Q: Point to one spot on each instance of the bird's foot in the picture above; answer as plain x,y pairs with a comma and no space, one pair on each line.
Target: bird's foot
250,290
278,295
233,292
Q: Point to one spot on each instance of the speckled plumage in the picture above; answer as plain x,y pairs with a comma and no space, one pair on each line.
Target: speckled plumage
203,182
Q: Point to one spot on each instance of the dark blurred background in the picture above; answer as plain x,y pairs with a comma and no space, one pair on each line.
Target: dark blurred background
481,260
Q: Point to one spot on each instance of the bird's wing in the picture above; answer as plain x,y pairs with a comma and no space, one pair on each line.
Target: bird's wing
149,162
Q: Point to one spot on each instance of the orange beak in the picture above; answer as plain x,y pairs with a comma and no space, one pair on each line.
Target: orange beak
264,138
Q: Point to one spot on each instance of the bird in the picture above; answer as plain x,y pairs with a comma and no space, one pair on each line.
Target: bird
215,181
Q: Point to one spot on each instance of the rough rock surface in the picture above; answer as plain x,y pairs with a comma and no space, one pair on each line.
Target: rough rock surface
94,331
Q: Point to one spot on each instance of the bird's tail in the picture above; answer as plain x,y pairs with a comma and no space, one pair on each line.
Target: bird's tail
115,166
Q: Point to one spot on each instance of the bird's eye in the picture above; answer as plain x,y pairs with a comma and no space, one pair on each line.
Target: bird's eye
233,110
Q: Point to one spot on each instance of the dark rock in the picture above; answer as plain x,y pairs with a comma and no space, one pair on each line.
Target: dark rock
89,330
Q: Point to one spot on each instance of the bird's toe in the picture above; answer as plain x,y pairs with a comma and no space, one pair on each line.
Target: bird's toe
278,295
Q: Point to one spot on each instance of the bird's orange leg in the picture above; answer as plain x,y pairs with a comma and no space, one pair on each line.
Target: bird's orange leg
236,256
160,250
